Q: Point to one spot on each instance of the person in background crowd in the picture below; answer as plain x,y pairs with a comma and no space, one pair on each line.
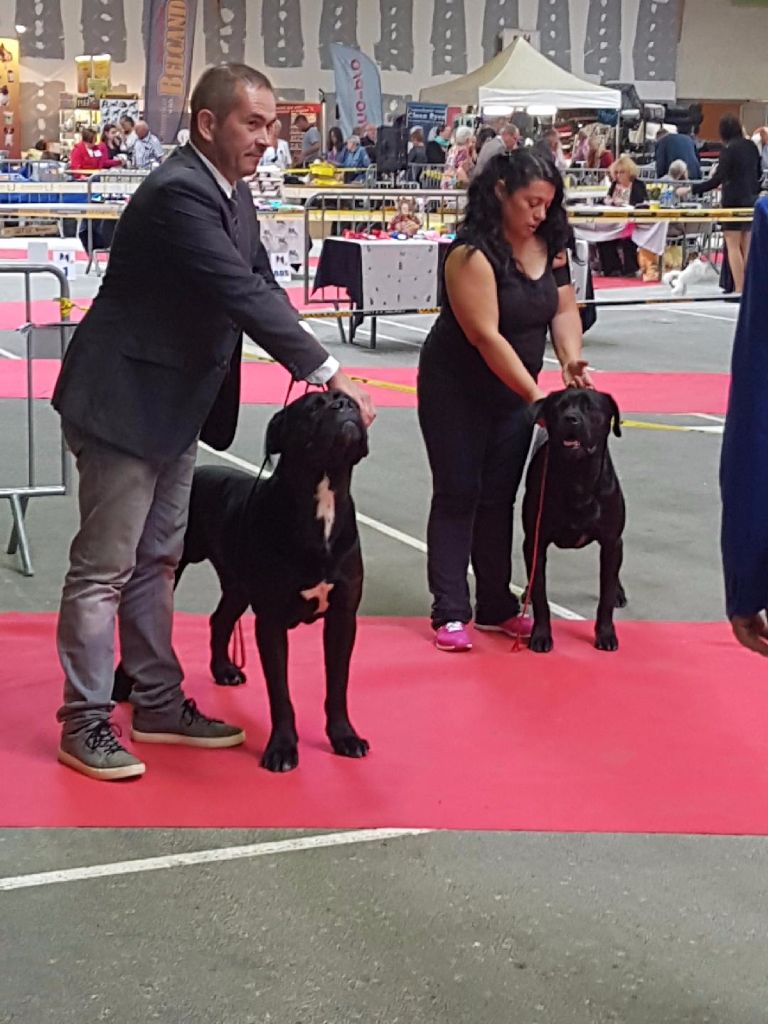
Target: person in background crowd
460,159
354,156
153,366
90,155
760,138
738,173
506,141
483,135
506,285
678,171
335,150
677,146
311,142
368,141
580,148
550,148
147,150
128,132
182,136
619,257
279,152
110,140
42,151
438,144
598,154
417,153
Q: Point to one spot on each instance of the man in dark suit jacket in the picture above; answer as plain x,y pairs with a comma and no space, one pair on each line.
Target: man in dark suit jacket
155,365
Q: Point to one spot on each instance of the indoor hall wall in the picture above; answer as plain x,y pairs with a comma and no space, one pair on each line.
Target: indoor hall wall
416,42
722,54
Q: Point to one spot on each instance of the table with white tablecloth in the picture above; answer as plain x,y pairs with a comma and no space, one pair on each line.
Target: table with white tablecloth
651,236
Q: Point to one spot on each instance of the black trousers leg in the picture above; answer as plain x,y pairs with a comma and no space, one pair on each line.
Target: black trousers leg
455,430
505,456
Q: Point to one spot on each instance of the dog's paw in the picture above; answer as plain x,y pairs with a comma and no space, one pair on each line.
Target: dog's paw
281,755
225,673
606,640
349,744
540,643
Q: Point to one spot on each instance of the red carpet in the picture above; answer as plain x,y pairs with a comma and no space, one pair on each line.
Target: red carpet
265,384
667,735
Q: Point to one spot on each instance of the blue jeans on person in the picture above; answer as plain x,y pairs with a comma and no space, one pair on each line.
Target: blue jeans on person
477,453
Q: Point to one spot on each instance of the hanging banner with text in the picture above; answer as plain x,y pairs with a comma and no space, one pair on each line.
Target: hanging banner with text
170,29
358,90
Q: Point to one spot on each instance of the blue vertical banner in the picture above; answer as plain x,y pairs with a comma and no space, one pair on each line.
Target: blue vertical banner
170,33
358,89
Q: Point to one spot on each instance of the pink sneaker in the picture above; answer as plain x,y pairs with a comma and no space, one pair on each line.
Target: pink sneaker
518,625
453,637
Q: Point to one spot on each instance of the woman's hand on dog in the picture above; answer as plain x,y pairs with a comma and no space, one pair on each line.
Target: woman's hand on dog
575,374
341,382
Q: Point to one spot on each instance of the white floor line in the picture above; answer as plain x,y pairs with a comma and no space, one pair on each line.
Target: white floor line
220,855
708,416
365,333
406,327
383,528
705,316
8,355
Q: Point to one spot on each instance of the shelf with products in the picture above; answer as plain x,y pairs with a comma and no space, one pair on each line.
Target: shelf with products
83,110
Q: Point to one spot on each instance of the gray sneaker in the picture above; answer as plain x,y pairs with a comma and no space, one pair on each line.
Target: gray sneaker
95,752
185,726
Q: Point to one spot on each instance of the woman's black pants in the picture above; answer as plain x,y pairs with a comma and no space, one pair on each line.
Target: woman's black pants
477,454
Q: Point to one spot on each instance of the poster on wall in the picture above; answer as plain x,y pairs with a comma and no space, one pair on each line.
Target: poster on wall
10,112
170,35
289,114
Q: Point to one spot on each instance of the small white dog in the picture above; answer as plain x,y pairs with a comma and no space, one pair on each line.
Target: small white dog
679,280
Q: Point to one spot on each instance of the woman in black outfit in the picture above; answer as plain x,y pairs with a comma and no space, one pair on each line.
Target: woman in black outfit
739,174
506,282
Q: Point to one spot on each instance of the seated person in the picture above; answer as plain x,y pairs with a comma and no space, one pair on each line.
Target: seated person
406,221
354,156
619,257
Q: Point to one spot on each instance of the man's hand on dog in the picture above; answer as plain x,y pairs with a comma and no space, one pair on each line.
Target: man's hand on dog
752,632
575,374
341,382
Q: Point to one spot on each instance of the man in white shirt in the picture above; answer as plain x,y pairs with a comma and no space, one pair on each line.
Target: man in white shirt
147,150
279,153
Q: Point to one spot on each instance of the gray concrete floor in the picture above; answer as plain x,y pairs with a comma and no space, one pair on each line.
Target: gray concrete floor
460,927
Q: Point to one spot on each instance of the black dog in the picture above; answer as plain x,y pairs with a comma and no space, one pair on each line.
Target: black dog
582,503
288,546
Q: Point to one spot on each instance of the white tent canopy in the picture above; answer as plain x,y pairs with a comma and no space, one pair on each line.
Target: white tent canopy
520,76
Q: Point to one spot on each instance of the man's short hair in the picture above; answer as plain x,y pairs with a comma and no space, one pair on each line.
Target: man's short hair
128,118
218,87
510,129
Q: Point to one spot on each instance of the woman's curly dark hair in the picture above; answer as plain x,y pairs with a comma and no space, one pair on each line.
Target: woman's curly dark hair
483,223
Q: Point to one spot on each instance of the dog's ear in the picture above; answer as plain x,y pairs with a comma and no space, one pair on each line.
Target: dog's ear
273,444
613,408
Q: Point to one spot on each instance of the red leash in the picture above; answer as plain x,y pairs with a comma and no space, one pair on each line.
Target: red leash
537,533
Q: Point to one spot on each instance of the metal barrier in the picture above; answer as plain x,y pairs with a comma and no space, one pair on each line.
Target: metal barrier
20,495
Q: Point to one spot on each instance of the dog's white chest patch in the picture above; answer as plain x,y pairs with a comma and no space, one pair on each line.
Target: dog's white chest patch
321,592
326,506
